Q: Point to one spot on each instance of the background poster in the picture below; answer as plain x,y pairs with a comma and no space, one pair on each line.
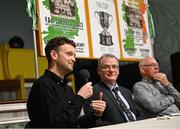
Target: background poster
63,18
103,22
134,29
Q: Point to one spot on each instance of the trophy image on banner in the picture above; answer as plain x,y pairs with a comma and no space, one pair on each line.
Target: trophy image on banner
104,20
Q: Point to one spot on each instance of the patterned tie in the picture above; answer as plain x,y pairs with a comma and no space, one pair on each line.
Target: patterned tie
123,106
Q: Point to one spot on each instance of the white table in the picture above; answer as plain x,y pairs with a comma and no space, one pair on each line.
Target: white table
154,123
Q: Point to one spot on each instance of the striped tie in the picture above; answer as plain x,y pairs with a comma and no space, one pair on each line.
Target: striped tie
123,106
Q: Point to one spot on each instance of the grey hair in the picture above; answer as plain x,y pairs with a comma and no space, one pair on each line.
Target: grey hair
106,55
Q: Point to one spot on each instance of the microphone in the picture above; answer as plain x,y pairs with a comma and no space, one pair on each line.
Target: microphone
84,76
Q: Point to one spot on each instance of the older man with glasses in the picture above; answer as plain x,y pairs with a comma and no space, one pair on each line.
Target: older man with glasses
154,93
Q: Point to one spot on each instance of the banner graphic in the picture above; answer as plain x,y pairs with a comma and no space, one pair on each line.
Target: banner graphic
64,18
134,29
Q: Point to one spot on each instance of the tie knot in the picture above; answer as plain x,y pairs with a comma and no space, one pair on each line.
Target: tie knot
115,89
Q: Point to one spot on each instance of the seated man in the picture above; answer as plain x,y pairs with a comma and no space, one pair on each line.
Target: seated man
120,106
51,102
154,93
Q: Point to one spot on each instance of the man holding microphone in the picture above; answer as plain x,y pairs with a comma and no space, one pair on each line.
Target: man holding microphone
51,102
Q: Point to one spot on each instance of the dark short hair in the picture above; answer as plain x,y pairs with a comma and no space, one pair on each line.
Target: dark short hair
106,55
55,43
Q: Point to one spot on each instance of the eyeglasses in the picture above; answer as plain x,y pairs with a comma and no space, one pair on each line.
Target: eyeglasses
107,67
151,65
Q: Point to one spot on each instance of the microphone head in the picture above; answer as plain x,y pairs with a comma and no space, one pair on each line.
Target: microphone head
84,76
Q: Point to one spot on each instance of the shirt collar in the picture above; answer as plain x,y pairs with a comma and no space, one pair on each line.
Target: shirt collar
111,86
56,78
148,81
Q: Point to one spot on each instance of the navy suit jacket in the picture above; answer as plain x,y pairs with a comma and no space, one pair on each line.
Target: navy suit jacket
113,114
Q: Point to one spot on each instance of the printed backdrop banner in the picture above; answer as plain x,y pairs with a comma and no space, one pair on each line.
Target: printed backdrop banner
118,27
63,18
134,29
104,28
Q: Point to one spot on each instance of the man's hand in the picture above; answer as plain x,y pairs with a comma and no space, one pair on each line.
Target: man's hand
162,78
86,91
99,105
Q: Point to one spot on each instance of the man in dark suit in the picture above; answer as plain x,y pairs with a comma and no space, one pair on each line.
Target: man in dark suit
120,106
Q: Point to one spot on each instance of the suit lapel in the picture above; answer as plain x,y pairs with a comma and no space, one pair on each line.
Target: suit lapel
109,94
126,96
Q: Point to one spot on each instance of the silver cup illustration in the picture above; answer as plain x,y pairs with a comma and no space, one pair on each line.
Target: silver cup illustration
104,20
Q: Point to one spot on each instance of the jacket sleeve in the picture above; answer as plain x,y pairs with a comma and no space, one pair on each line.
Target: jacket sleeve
172,91
149,99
